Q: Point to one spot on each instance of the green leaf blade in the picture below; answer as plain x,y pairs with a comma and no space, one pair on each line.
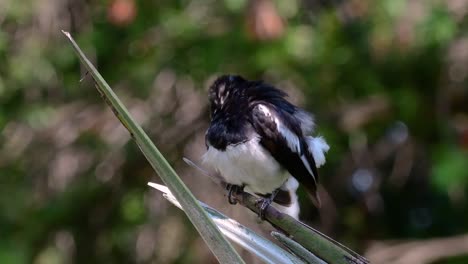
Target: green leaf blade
217,243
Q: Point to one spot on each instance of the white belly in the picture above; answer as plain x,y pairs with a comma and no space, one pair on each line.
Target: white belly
247,164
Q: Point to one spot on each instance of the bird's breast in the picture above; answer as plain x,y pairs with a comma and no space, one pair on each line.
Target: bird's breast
248,164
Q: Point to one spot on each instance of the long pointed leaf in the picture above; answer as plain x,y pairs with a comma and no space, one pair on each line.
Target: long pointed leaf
266,250
217,243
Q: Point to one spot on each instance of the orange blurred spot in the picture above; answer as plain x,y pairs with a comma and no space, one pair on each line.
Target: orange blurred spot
263,21
464,139
121,12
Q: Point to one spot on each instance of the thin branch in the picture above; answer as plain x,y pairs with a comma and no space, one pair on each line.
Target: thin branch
418,251
319,244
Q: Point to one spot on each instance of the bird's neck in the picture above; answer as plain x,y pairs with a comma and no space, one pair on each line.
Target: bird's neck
227,130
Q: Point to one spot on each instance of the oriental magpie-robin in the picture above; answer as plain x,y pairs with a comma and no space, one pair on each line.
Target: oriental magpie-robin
260,141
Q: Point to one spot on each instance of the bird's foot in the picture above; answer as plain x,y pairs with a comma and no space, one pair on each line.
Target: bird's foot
232,190
265,202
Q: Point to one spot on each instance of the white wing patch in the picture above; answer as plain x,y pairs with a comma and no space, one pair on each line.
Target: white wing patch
309,169
318,147
291,139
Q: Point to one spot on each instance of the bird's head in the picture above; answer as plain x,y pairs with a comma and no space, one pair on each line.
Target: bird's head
227,92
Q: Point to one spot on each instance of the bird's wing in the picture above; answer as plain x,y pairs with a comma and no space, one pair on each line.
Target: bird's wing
288,147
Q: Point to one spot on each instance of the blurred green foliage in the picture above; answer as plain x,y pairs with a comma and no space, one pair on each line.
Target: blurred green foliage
387,81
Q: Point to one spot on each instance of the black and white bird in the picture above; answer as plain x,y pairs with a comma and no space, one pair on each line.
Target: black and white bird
259,141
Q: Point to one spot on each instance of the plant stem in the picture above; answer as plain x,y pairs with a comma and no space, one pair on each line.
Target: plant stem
217,243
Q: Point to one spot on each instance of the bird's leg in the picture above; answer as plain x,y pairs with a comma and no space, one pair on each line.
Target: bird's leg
233,189
266,202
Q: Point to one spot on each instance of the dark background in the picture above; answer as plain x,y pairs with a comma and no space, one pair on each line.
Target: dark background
386,80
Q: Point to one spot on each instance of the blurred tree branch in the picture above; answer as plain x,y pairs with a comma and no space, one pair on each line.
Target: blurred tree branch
418,251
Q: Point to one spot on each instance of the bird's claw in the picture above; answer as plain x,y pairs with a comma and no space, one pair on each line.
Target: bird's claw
265,202
263,206
233,189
